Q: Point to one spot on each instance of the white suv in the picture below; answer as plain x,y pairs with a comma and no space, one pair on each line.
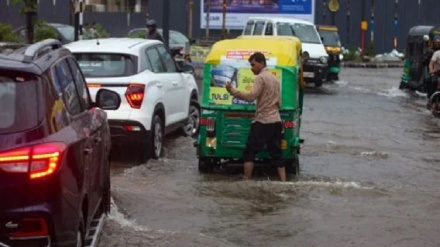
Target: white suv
157,96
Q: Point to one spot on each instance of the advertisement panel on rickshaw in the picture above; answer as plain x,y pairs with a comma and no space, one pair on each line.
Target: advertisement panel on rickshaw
234,67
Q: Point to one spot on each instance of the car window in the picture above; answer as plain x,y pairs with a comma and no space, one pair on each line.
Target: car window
167,59
259,28
65,86
269,29
145,62
18,97
67,32
248,28
106,65
178,38
156,62
305,32
81,85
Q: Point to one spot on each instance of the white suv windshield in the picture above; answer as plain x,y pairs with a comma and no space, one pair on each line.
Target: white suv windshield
105,65
306,33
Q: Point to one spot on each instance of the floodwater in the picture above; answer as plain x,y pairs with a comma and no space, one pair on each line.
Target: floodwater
370,177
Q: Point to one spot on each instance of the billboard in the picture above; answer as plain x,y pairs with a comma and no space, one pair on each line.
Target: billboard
238,11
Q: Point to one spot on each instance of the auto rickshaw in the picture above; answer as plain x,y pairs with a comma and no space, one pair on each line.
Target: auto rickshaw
332,44
418,45
225,121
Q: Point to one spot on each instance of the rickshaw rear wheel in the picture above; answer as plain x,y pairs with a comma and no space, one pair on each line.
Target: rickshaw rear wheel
206,165
292,166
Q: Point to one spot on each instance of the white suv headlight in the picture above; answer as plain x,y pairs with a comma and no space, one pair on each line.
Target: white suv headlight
323,60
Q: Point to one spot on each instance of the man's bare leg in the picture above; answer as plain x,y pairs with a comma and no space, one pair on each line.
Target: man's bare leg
248,167
282,173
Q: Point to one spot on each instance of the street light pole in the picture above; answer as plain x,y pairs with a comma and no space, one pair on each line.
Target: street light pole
190,21
208,10
166,22
224,20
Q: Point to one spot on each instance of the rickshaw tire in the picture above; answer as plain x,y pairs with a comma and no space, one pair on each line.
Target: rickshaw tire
206,165
292,166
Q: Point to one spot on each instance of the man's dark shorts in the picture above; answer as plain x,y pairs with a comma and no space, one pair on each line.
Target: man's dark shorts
265,134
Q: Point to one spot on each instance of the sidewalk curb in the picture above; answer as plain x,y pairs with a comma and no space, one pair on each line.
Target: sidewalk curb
372,65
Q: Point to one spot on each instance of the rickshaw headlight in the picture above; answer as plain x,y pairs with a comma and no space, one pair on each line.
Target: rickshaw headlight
341,57
323,59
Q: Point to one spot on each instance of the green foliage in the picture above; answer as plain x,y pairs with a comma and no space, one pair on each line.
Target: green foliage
28,5
44,31
371,50
352,56
102,33
7,34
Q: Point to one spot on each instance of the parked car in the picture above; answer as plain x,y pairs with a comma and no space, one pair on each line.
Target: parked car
66,33
157,96
176,39
54,148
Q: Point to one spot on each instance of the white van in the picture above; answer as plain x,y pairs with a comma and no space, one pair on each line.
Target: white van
314,54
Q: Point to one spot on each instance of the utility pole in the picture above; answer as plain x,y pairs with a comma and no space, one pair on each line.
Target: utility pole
348,24
224,20
166,22
79,20
190,16
208,10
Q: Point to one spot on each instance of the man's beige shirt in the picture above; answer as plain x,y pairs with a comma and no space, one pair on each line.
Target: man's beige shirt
266,90
436,59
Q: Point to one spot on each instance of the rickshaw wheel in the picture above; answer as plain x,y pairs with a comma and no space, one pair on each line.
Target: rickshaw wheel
292,166
206,165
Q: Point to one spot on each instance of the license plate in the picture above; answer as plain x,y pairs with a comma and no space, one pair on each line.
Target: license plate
309,74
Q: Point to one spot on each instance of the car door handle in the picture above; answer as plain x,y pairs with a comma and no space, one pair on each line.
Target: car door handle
159,84
97,139
175,83
88,151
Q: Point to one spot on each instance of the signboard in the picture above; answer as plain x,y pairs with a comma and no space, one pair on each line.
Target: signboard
234,68
238,11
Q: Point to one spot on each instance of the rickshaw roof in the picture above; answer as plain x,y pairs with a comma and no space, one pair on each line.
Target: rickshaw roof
285,48
420,30
327,28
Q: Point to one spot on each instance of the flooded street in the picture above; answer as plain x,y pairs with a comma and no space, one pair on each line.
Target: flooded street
370,177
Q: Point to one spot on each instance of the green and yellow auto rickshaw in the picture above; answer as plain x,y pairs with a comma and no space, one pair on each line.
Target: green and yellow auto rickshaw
332,44
225,121
418,49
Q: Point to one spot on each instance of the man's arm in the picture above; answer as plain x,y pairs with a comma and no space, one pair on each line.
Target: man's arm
253,94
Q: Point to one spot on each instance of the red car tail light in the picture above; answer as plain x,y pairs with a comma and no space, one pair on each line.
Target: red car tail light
39,160
135,95
210,125
29,228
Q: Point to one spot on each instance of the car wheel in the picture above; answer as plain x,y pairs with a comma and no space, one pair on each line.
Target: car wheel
206,165
80,242
292,166
157,134
191,127
318,82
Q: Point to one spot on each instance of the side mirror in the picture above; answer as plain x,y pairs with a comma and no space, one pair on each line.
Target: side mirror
188,68
175,51
322,39
107,99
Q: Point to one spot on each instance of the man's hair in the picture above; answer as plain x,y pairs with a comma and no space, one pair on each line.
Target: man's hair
258,57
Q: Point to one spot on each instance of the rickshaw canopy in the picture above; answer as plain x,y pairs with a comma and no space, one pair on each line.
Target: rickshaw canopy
285,49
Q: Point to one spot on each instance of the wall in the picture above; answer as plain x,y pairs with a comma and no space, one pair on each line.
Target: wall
410,13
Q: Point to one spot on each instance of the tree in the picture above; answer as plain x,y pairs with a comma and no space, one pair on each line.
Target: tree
29,9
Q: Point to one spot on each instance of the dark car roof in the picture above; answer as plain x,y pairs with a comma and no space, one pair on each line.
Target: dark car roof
420,30
44,55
